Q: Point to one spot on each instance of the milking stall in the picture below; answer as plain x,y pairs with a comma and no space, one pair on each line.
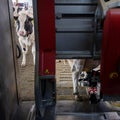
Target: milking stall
64,30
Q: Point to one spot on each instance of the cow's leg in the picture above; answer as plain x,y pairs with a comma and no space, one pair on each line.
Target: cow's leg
24,57
26,49
75,82
33,52
70,62
77,68
23,47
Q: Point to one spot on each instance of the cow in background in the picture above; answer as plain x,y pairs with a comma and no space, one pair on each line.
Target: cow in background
25,32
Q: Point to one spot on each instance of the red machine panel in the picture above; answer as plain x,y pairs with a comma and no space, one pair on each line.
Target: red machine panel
46,28
110,61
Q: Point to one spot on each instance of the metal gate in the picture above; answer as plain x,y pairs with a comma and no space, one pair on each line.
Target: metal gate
65,29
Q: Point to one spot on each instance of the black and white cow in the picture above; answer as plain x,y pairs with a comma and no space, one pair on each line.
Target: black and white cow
25,32
77,68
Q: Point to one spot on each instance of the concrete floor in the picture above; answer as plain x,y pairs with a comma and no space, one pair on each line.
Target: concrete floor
71,110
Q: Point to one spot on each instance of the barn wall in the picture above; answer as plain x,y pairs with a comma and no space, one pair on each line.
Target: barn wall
8,94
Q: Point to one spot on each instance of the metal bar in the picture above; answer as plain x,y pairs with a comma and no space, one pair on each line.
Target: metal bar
78,114
47,77
73,54
76,2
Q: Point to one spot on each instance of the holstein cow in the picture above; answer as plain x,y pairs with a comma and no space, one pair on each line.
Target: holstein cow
25,32
79,68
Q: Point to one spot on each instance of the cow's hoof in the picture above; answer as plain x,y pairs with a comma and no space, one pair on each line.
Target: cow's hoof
75,93
76,98
23,65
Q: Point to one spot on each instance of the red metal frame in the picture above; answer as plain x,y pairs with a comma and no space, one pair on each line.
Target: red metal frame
46,28
110,61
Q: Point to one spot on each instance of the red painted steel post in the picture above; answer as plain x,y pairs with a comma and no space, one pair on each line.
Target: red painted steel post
110,59
47,45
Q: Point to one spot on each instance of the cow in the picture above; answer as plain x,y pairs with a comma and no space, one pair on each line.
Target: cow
79,69
25,32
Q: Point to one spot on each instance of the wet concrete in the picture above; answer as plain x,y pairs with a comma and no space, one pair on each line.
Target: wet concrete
70,110
26,78
73,110
23,110
81,107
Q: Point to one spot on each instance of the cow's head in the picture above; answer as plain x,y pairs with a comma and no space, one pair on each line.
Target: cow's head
25,24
